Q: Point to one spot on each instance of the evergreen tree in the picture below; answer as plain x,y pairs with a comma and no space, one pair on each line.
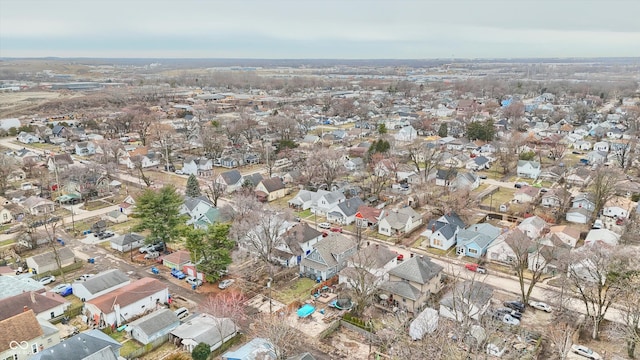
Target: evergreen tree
201,352
210,249
443,131
193,187
382,129
159,212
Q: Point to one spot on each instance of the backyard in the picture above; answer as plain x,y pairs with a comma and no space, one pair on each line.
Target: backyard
296,290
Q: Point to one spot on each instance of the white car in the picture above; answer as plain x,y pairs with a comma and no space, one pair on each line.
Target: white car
586,352
84,277
324,225
510,320
540,306
60,288
192,280
179,172
225,283
47,280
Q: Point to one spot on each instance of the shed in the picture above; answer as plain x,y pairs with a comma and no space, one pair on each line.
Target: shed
177,259
153,326
45,262
127,242
425,323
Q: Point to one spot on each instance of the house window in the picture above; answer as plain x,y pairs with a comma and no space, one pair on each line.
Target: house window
473,251
437,242
34,347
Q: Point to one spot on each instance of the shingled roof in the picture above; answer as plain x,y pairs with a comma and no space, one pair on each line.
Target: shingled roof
21,327
128,294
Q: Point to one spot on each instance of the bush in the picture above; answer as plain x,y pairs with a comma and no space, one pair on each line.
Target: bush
201,352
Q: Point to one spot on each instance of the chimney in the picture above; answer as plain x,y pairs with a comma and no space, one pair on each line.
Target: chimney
433,227
33,297
476,229
25,308
412,254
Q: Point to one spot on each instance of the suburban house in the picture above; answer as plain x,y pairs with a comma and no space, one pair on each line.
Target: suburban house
200,211
442,231
478,163
578,215
618,207
37,206
230,180
46,305
548,258
326,202
368,216
305,199
567,234
91,344
153,327
100,284
445,177
465,181
601,236
474,240
345,212
204,328
45,262
412,283
85,148
373,263
399,222
199,166
554,197
130,301
256,349
596,157
127,205
127,242
5,215
533,227
601,146
328,257
14,285
297,242
115,217
528,169
406,134
270,189
354,164
500,249
59,162
28,138
467,300
579,176
526,194
32,336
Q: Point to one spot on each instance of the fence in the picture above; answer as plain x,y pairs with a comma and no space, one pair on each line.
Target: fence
146,348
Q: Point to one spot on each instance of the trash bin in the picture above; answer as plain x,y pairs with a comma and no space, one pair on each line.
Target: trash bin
91,261
155,270
193,287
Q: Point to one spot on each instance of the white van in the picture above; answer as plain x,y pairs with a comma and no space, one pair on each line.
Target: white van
182,313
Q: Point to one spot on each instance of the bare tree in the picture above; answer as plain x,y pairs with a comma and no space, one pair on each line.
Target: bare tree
7,166
629,306
214,191
326,166
603,188
625,154
377,180
560,332
530,260
362,279
275,328
424,158
227,309
596,272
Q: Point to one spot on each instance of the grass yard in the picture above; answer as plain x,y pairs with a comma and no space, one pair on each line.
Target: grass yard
128,347
499,197
300,289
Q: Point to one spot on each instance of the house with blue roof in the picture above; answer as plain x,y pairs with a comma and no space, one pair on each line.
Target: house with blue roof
474,240
256,349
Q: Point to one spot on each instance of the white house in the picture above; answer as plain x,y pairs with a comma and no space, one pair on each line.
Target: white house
528,169
207,329
601,146
100,284
601,236
127,242
128,302
578,215
407,134
615,212
442,231
198,166
326,202
398,222
153,326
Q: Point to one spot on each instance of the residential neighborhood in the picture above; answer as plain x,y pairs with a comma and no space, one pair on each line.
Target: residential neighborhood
368,212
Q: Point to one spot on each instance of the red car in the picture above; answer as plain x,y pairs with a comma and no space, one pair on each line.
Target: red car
475,268
325,234
336,229
400,257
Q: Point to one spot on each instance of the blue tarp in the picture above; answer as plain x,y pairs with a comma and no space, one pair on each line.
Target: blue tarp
306,310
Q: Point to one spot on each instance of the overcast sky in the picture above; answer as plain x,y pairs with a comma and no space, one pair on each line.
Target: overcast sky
342,29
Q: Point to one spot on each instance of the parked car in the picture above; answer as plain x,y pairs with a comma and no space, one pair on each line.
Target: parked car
336,229
324,225
515,305
177,274
84,277
159,246
540,306
152,255
179,172
400,257
225,283
507,319
514,313
182,313
475,268
59,288
483,177
47,280
585,351
192,280
598,224
325,234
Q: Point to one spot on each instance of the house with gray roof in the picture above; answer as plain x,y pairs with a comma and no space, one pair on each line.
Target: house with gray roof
474,240
399,222
442,232
45,262
230,180
372,262
199,166
305,199
14,285
204,328
326,202
88,345
100,284
328,257
297,242
200,211
465,181
467,300
528,169
345,212
127,242
412,282
153,326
